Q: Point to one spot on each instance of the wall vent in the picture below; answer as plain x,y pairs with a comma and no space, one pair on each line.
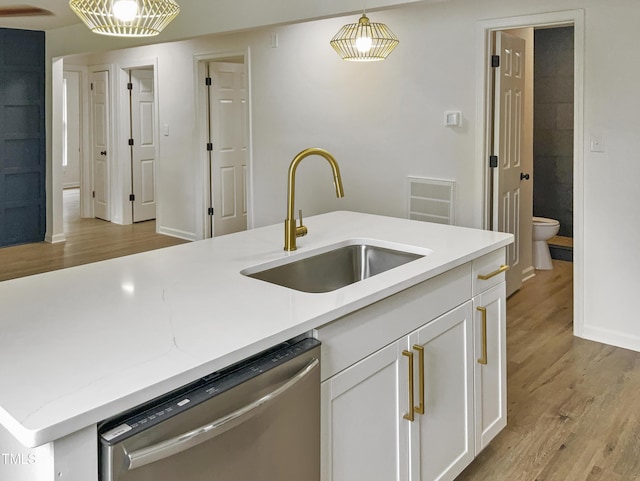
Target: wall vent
432,200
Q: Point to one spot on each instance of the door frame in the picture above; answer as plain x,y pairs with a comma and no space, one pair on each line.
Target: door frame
55,212
200,62
85,116
123,187
484,97
54,209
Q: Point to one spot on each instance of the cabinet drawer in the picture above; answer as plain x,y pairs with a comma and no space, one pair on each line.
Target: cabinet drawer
488,271
353,337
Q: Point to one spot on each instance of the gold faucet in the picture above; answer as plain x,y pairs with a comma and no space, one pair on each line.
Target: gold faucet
291,231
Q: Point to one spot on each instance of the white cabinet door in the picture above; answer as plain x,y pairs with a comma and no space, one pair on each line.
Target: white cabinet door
490,364
441,442
364,435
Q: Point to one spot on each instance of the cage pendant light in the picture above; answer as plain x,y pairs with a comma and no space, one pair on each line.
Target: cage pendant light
364,41
126,18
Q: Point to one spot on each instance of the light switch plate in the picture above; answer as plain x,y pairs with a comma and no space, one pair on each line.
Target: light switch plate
453,118
597,143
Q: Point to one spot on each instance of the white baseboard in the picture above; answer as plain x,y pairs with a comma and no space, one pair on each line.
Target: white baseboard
190,236
613,338
528,273
55,239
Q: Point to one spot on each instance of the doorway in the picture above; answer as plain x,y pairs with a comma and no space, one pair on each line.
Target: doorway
553,133
143,143
533,141
223,116
487,29
100,144
72,150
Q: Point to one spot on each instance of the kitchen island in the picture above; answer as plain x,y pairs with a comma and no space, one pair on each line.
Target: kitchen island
83,344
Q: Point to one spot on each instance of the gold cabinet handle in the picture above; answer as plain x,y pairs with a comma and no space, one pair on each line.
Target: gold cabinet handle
483,359
420,407
410,415
485,277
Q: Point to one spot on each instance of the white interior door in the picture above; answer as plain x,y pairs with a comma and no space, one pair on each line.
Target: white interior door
143,151
228,134
508,124
100,140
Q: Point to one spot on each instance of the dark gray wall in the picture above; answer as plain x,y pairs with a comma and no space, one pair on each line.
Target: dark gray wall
553,126
22,137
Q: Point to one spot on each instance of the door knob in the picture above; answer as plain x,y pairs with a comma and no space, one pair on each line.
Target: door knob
103,152
524,176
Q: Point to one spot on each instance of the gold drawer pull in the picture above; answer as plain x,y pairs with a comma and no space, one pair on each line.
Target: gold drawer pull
485,277
410,415
420,408
483,359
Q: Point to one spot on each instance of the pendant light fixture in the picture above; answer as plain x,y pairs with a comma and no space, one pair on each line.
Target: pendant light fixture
364,41
126,18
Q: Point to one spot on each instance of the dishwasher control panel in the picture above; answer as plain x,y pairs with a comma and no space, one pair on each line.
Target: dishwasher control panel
148,415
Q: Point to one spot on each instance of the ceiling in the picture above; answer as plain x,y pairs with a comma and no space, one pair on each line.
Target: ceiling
61,15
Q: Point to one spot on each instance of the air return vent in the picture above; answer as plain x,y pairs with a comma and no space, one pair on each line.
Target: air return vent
432,200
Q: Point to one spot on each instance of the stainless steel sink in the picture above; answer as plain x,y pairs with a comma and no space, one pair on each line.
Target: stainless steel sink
336,268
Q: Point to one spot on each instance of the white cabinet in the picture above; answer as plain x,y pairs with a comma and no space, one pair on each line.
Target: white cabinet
441,442
439,330
490,365
377,425
364,435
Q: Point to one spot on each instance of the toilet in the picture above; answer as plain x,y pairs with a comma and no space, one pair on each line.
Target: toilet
543,230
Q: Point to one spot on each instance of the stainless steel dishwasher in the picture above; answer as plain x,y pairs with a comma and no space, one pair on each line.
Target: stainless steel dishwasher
258,420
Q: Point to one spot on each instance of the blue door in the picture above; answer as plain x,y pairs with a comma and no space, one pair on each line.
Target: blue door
22,137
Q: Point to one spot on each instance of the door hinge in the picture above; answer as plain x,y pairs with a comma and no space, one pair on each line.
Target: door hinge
209,146
210,211
91,85
93,194
495,61
130,141
207,81
493,161
129,86
132,197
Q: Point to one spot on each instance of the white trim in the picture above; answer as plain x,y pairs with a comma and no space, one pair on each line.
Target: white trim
484,30
613,338
528,273
55,239
54,230
180,234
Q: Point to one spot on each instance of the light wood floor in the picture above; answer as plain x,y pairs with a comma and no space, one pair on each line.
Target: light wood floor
88,240
573,405
561,241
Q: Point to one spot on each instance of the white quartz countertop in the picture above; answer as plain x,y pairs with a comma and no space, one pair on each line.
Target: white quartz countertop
83,344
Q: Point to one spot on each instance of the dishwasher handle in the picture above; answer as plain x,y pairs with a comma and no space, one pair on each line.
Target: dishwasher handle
177,444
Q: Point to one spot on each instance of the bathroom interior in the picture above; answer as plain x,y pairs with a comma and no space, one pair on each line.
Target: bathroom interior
553,138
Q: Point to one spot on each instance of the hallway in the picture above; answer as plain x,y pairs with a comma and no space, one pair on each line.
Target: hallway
88,240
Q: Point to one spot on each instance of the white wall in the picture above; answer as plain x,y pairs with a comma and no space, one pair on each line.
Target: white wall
383,122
